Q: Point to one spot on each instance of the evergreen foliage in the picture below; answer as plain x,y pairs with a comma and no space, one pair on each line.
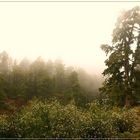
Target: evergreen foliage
121,84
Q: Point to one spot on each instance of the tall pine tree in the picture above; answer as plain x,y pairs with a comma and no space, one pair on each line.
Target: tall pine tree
122,62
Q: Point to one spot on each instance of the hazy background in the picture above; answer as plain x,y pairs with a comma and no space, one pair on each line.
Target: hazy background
72,32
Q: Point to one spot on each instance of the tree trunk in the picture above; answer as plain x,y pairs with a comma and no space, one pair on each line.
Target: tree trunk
126,82
127,98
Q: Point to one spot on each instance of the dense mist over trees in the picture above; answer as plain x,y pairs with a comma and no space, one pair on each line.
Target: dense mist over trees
25,80
47,99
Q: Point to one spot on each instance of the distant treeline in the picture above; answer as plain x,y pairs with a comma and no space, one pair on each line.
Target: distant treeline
25,80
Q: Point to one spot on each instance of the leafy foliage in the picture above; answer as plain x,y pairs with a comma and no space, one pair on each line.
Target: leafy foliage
50,119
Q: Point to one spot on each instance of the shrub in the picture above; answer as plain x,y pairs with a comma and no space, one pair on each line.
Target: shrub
7,128
109,122
66,121
33,120
101,124
4,127
50,119
123,120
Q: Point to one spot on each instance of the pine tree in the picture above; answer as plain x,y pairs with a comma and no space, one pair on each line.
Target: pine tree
122,61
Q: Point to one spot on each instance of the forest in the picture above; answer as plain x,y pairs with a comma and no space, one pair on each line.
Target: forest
47,99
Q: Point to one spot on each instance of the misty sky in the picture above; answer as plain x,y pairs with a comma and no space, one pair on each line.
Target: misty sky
72,32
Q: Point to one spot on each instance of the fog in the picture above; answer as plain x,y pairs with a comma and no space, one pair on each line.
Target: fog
72,32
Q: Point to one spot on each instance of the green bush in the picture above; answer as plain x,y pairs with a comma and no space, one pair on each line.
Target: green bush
100,125
64,121
50,119
4,127
7,128
123,120
109,122
33,120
